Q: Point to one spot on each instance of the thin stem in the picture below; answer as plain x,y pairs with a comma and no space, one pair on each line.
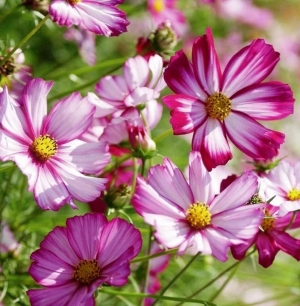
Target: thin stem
176,277
25,39
291,221
144,258
217,277
135,175
163,135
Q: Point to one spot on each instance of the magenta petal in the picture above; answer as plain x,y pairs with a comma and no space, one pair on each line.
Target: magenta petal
210,140
179,76
69,118
187,113
249,66
206,63
266,248
83,241
34,100
251,137
167,174
239,251
266,101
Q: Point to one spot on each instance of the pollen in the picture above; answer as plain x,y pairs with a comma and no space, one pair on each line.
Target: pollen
73,2
218,106
86,271
268,222
198,215
44,147
294,194
158,5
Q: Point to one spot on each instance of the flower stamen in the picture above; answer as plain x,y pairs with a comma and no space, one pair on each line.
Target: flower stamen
86,271
268,222
198,215
158,5
218,106
294,194
44,147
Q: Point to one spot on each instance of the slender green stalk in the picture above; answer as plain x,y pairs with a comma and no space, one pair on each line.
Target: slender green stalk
291,221
163,135
25,39
177,276
135,174
144,258
166,298
217,277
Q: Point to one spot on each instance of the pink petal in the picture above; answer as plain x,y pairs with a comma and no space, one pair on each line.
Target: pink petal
210,140
168,181
148,203
140,95
249,66
84,233
34,100
118,237
266,248
103,108
251,137
69,118
266,101
236,194
195,242
187,113
156,68
90,158
179,76
239,251
200,179
206,63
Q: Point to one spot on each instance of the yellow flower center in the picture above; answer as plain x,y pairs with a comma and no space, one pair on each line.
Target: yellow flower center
159,5
198,215
86,271
44,147
268,222
73,2
218,106
294,194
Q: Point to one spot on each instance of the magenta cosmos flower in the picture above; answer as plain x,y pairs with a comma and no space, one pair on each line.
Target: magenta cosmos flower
189,215
47,148
271,238
216,106
98,16
73,261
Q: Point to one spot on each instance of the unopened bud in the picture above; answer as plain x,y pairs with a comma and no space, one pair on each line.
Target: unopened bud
164,38
118,196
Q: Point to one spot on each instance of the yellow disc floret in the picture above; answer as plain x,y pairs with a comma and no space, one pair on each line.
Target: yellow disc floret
43,147
218,106
86,271
268,222
198,215
158,5
73,2
294,194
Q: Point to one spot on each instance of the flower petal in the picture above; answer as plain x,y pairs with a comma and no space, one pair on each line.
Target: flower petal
179,76
168,181
266,248
249,66
187,113
266,101
34,100
206,63
69,118
251,137
210,140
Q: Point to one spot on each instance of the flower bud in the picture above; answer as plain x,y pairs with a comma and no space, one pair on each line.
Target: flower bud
164,39
118,196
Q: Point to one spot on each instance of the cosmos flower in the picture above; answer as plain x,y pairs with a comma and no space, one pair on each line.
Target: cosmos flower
73,261
283,182
189,216
271,238
217,105
99,16
47,149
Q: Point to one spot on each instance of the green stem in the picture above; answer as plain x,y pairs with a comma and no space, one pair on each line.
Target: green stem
135,175
291,221
144,258
217,277
177,276
163,135
25,39
166,298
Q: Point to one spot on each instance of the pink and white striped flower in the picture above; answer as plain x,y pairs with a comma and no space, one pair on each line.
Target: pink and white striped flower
217,105
47,148
99,16
75,260
189,215
283,182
